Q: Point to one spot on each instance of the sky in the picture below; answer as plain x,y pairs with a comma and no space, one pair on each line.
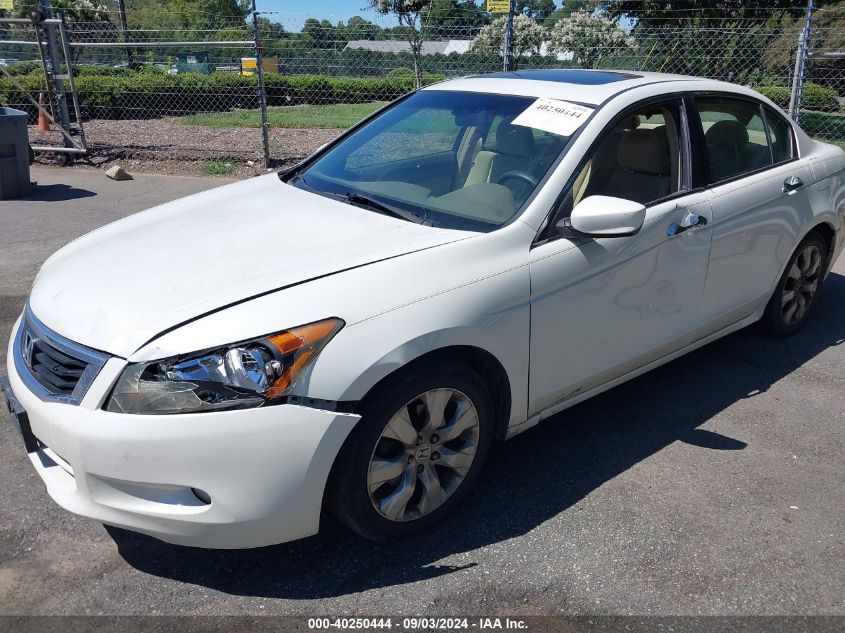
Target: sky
298,10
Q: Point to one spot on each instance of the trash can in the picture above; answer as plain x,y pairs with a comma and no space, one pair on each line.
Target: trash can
14,154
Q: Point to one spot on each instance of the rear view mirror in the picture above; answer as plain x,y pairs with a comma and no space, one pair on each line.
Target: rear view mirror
603,216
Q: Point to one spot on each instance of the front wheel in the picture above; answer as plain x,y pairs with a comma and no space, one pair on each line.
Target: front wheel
797,292
418,449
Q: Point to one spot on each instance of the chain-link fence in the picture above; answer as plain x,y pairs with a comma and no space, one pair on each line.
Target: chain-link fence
184,87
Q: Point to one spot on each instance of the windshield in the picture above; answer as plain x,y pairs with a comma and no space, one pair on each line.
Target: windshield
449,159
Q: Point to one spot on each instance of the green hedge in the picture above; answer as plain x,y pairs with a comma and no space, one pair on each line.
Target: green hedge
147,95
23,68
814,97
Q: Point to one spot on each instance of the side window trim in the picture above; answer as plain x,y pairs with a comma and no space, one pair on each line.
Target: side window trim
768,132
676,102
793,145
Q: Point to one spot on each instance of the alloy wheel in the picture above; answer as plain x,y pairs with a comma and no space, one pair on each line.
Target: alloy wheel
802,283
423,454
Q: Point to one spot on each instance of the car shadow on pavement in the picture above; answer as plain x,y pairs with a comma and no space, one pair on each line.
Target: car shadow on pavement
527,481
56,193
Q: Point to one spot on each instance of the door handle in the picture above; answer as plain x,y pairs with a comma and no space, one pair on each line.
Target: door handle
792,184
691,221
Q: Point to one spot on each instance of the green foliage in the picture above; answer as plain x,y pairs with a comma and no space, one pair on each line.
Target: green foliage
218,167
184,15
140,95
447,18
569,7
824,126
703,13
401,72
23,68
814,97
101,71
537,10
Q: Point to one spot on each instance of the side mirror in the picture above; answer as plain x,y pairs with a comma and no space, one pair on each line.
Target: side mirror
603,216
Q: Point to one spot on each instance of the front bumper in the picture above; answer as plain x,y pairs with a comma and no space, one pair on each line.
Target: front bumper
263,469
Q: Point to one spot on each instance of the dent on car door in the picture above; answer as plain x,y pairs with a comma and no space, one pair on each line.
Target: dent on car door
759,203
606,306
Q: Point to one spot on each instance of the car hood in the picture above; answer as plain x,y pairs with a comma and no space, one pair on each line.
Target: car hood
123,284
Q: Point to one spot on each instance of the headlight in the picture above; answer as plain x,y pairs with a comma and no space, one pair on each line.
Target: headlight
239,376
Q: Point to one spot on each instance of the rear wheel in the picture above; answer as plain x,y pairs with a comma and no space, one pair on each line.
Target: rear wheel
417,451
797,293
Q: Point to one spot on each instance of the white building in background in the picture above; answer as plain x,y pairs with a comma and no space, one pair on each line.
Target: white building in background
444,47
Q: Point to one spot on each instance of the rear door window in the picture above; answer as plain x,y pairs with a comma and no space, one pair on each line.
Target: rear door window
734,136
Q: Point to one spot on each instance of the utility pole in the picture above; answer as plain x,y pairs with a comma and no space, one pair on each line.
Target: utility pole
121,9
509,37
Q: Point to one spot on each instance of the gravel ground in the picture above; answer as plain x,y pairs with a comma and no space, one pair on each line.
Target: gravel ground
714,485
167,146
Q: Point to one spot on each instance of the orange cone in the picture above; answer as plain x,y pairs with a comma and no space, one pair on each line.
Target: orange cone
43,122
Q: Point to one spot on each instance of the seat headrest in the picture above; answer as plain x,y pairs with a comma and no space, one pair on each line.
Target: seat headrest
514,139
629,123
644,150
726,134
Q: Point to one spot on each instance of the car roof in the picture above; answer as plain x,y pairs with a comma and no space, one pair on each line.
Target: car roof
584,86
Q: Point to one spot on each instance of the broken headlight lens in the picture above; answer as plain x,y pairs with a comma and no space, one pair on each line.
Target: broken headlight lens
240,376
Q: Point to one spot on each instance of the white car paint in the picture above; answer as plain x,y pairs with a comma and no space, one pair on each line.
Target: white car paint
564,318
242,243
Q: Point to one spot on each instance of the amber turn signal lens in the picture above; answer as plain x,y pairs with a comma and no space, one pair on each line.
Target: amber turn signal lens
303,343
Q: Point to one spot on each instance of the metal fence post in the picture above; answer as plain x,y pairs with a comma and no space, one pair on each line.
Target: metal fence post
55,78
508,52
800,65
262,98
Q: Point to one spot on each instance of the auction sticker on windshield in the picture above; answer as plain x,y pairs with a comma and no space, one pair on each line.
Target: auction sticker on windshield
552,115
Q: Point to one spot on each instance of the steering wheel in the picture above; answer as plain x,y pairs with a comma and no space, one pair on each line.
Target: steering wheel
518,175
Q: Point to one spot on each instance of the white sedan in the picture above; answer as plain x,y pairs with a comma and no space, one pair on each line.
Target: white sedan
355,332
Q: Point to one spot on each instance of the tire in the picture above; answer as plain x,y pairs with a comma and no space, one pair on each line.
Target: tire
797,292
382,446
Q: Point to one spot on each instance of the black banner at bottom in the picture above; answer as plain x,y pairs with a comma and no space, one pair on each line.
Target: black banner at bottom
410,624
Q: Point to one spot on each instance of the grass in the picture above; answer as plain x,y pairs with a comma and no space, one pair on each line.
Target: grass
335,115
218,167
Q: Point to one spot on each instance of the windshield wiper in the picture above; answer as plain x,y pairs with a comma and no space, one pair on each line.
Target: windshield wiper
375,205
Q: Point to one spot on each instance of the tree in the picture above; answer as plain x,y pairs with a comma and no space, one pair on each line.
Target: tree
537,10
454,18
569,7
357,28
729,35
185,16
320,33
827,35
87,21
408,14
527,38
703,13
589,37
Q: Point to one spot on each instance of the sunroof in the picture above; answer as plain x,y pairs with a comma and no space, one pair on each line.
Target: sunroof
583,77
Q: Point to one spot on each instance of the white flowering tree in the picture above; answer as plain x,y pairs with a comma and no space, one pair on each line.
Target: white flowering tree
527,38
408,13
589,37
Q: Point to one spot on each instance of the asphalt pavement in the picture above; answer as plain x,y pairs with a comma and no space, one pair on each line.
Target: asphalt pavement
713,485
